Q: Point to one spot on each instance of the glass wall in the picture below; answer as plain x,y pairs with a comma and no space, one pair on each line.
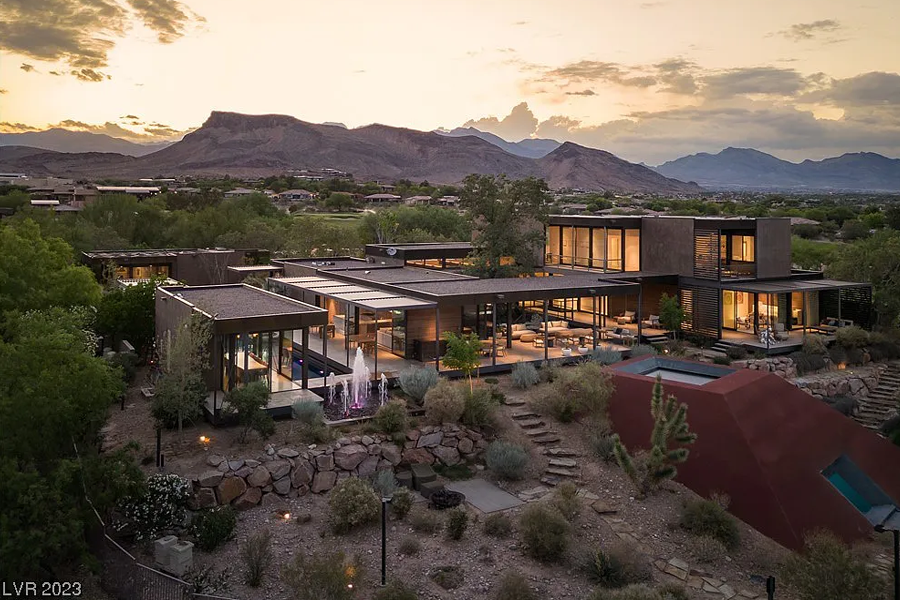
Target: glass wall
568,249
598,249
614,249
606,248
632,250
582,246
553,241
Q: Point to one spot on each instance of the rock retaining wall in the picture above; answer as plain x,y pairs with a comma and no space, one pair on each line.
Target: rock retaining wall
780,365
855,382
291,472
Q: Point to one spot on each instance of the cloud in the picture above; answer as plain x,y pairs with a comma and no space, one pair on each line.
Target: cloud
2,91
592,70
81,33
132,117
517,125
582,93
806,31
677,76
754,80
6,127
27,68
154,132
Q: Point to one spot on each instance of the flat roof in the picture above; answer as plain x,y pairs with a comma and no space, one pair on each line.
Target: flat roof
254,268
341,262
792,285
239,301
364,297
401,275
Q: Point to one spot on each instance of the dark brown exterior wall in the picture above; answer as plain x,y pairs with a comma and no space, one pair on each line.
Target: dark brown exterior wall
764,442
650,295
206,268
773,248
295,270
170,313
667,245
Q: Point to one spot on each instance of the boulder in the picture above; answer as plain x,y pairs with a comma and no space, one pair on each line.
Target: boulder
248,499
260,477
205,498
325,462
391,453
282,486
278,468
273,501
302,474
236,464
450,442
288,453
214,460
448,456
412,435
856,385
349,457
323,481
367,440
229,489
430,440
374,450
368,466
251,463
466,446
210,478
417,456
243,471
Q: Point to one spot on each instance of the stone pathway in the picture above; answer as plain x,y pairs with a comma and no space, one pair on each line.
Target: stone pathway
561,464
484,495
881,402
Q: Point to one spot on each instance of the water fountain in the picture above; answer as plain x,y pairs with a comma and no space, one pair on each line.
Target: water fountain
345,398
360,380
383,389
330,381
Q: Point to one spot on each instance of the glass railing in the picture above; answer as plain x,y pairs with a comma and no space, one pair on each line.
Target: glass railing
738,270
581,262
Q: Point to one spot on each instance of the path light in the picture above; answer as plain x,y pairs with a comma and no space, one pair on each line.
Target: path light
205,440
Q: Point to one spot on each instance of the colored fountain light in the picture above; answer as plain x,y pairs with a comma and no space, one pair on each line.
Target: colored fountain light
360,380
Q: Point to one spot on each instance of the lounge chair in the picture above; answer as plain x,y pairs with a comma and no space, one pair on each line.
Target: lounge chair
781,333
652,322
625,317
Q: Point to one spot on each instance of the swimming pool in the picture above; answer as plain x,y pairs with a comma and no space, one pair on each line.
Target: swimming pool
681,371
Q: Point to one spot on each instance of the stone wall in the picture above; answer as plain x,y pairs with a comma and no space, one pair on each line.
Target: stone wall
855,382
780,365
293,472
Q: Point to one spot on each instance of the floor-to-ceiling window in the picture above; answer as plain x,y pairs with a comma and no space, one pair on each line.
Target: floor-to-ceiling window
553,242
568,245
582,246
737,310
598,248
632,249
614,249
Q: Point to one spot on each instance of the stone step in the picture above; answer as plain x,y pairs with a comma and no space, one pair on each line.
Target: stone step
514,402
550,480
547,438
531,423
524,414
566,463
561,472
537,432
560,452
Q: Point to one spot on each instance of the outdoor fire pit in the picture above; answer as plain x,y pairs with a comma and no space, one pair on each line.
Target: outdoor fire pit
444,499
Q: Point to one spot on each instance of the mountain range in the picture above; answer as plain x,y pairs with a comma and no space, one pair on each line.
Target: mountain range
745,168
64,140
260,145
529,148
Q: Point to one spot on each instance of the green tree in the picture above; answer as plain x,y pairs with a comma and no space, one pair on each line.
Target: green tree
669,427
129,313
184,357
876,260
813,255
463,353
892,217
37,272
248,405
671,313
508,218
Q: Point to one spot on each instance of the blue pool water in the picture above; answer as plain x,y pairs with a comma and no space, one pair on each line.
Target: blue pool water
315,369
850,493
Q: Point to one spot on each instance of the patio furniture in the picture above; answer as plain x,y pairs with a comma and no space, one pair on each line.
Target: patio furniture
829,325
528,338
518,330
652,322
539,341
582,350
745,322
781,333
625,317
623,335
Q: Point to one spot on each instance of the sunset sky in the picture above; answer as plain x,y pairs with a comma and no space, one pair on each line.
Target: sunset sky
649,81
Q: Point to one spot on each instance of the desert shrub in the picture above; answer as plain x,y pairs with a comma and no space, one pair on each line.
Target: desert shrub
642,350
425,521
498,525
385,483
582,390
497,395
449,577
676,347
512,586
602,444
851,337
736,352
457,522
605,357
207,579
391,418
842,404
247,404
479,407
837,354
829,570
565,499
401,503
708,518
308,413
856,356
351,503
457,472
127,361
807,362
550,371
641,591
444,403
322,576
545,533
409,546
213,527
814,344
882,347
257,556
525,375
491,380
672,591
416,381
507,460
395,590
617,567
706,549
722,360
160,507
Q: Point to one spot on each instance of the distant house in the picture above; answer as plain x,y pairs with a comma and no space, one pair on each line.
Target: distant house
139,191
803,221
296,195
383,198
447,201
240,192
413,200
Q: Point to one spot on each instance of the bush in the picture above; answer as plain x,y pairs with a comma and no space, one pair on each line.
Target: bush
641,591
127,361
425,521
416,381
401,503
851,337
457,472
508,461
722,360
565,499
676,347
736,352
160,507
808,363
815,344
882,347
248,405
444,403
706,549
322,576
829,570
257,556
449,578
856,356
479,407
395,590
391,418
837,354
207,580
351,503
643,350
620,566
491,380
605,357
498,525
708,518
457,523
582,390
513,586
550,371
842,404
602,444
308,413
545,533
525,375
213,527
409,546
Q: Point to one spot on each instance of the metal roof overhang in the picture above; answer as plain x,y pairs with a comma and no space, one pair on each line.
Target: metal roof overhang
791,285
508,290
364,297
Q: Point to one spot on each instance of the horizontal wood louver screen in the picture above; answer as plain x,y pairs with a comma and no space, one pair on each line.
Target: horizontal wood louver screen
706,254
701,308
